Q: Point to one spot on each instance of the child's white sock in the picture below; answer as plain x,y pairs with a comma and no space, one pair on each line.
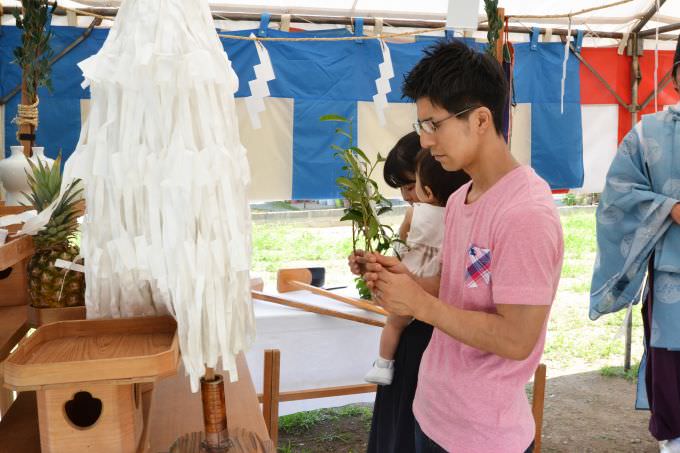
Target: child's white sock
384,363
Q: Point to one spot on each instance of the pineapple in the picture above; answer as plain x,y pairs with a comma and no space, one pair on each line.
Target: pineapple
50,286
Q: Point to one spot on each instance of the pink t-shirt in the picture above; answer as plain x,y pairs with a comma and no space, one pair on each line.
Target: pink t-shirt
505,248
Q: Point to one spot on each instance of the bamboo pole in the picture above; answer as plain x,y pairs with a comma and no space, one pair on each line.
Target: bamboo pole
636,76
314,309
26,130
340,298
501,36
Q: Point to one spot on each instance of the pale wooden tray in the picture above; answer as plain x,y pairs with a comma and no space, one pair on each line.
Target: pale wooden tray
40,316
114,350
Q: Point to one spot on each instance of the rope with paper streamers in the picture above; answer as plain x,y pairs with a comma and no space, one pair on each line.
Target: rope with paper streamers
380,36
27,114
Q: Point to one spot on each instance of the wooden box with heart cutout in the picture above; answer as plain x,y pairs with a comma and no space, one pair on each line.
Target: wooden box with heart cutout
89,377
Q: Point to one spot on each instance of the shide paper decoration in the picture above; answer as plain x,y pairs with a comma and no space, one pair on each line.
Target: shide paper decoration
167,228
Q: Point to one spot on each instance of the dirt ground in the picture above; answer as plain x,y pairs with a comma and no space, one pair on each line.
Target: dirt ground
584,412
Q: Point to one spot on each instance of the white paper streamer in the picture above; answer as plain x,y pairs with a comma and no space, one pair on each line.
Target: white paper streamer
259,88
70,265
383,83
462,14
13,219
167,228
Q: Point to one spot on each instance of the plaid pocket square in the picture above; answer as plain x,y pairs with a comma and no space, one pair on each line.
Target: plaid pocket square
479,268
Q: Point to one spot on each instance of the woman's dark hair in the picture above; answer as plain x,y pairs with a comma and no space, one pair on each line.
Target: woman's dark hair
455,77
400,164
442,183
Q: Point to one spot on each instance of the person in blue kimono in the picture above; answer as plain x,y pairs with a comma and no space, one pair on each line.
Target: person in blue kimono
638,238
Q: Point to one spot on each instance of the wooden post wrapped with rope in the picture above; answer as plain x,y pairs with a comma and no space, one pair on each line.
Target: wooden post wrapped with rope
501,36
26,119
34,58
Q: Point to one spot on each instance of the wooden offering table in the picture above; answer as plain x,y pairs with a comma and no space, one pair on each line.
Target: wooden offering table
87,376
169,411
14,256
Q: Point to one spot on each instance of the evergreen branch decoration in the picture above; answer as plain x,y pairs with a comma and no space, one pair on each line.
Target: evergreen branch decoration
495,25
364,202
33,56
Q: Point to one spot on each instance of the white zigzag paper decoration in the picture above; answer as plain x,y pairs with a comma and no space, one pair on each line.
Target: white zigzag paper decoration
264,73
165,178
383,83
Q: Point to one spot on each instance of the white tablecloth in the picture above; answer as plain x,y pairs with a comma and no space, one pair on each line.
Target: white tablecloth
316,351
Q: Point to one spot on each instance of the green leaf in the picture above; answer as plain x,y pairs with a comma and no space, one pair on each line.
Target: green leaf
360,153
334,117
342,181
353,216
372,228
343,133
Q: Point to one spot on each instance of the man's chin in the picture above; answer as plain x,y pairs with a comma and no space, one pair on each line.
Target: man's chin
448,166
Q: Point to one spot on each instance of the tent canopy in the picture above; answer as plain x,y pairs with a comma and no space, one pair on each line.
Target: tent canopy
621,17
289,156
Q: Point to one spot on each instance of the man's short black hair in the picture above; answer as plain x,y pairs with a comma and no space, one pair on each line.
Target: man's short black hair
453,76
400,164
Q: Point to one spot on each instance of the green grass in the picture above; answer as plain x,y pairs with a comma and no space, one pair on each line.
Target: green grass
579,235
618,371
301,422
289,245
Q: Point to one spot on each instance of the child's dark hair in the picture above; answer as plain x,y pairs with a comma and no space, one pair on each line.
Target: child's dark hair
442,183
400,164
455,77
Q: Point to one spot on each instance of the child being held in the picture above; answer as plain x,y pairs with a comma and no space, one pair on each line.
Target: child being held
433,187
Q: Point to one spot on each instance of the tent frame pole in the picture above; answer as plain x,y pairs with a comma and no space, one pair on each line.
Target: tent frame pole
369,21
636,76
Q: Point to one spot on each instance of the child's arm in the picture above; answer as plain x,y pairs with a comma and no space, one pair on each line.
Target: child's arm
405,226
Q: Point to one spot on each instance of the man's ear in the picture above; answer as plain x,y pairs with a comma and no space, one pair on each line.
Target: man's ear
482,119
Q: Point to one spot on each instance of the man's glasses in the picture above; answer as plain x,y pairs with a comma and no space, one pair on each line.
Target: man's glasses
430,126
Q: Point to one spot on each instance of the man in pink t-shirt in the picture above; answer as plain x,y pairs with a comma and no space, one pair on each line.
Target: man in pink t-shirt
501,262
